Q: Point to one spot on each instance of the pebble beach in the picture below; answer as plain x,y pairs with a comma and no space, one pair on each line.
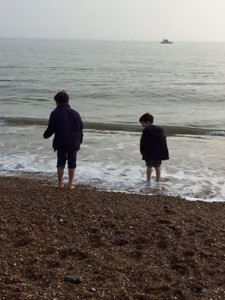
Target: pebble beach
119,245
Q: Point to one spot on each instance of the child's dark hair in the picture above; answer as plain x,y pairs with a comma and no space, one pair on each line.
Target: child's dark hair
61,97
146,118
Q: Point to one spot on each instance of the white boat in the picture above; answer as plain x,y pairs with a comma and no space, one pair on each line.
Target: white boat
166,41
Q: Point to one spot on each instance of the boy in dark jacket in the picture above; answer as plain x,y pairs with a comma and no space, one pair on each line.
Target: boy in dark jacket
67,127
153,145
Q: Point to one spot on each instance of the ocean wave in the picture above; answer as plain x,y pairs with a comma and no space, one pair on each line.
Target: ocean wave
217,132
99,126
17,80
19,121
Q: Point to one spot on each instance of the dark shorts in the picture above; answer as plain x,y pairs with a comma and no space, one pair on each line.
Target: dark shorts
153,163
70,157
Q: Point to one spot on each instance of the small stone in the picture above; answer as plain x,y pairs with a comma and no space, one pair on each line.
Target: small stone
73,279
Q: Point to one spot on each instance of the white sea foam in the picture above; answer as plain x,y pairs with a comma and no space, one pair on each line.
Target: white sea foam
120,168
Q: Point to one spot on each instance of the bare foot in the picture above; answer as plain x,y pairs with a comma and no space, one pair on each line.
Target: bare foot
71,187
60,185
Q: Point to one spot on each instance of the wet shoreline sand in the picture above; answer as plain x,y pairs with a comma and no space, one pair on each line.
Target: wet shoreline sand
122,246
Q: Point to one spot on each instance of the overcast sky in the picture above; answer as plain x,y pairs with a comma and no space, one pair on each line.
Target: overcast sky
149,20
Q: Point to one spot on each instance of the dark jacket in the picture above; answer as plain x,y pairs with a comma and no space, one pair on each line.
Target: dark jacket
153,145
67,126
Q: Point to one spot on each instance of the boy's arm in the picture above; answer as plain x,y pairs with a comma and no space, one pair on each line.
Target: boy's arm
50,129
81,134
143,142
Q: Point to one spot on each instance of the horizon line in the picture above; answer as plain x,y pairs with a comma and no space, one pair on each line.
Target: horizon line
107,40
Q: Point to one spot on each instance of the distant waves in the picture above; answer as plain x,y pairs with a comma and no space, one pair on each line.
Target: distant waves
99,126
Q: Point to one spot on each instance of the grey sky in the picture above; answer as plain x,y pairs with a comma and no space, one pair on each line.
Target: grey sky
150,20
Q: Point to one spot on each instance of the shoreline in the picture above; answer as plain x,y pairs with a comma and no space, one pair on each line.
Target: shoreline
122,246
148,190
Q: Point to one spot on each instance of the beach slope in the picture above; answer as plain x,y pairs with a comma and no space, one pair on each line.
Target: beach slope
121,246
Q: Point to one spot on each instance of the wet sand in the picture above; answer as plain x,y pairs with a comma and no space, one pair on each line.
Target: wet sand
121,246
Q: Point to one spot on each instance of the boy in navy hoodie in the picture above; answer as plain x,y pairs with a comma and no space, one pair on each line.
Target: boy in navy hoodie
153,146
67,127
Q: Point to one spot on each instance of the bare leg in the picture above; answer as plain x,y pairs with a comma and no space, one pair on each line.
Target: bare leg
148,173
157,173
71,177
60,173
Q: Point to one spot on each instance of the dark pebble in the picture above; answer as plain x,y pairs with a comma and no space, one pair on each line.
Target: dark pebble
72,279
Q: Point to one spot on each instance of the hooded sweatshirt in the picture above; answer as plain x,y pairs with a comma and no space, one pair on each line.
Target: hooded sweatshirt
153,145
67,127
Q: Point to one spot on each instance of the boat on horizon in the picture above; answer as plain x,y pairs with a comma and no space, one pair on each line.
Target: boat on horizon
166,41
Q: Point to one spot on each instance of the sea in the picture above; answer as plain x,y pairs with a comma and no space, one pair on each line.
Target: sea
111,84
